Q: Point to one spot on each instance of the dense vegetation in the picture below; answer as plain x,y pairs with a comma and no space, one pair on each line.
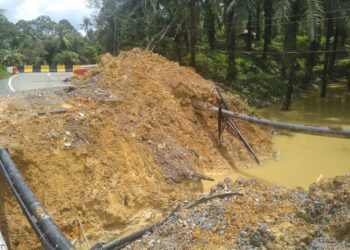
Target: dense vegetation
262,49
3,72
42,41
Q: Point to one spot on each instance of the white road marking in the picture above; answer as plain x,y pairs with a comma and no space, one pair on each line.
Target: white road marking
10,83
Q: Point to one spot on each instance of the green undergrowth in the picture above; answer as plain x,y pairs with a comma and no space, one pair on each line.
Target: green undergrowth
258,82
3,72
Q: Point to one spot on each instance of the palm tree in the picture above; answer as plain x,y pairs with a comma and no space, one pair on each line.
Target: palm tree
309,12
86,25
230,24
257,21
235,10
337,22
209,22
268,7
193,32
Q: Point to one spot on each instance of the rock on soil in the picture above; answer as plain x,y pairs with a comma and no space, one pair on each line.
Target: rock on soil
129,146
266,217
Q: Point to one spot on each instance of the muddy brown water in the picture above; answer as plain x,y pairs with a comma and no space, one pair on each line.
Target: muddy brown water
302,159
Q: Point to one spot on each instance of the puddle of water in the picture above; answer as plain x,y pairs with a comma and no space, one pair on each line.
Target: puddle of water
311,109
302,159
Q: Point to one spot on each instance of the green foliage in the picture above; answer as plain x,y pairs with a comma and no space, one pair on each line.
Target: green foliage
10,57
89,54
210,35
66,57
3,72
260,88
42,41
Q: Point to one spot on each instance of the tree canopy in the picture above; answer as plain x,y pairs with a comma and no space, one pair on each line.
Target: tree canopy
260,48
43,41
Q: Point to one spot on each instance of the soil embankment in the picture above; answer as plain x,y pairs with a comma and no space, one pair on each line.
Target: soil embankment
129,146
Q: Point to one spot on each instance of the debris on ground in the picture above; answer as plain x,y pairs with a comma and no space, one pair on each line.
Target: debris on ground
124,146
266,217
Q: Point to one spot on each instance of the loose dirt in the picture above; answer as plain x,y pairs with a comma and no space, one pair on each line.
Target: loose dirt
130,145
266,217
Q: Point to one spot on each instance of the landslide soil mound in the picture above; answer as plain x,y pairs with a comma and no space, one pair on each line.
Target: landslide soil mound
130,144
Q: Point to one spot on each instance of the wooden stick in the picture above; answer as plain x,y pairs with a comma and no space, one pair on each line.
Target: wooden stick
234,129
84,234
52,112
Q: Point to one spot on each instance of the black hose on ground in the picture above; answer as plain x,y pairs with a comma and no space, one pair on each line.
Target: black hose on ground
312,130
35,209
121,243
25,210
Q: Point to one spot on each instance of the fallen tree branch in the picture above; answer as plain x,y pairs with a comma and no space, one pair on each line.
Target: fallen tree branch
84,234
203,177
52,112
121,243
234,129
204,199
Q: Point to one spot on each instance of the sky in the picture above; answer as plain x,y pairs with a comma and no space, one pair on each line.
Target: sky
72,10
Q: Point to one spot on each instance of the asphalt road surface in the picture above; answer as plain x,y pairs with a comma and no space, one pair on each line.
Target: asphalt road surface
27,82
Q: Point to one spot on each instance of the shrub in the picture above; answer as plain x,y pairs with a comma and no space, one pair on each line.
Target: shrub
3,72
66,57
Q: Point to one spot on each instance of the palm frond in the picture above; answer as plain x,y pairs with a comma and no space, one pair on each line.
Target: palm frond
242,8
281,12
231,7
312,17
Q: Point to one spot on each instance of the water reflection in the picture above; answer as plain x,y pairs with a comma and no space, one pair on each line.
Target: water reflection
311,109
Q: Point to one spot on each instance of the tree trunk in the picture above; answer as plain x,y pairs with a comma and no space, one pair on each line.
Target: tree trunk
231,48
250,33
334,51
210,23
344,36
290,44
193,32
177,47
187,40
258,36
311,62
268,25
327,56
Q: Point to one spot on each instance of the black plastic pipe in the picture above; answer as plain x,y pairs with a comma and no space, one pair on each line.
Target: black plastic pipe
121,243
25,210
313,130
35,209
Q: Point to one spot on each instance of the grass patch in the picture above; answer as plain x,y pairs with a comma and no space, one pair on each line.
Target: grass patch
3,72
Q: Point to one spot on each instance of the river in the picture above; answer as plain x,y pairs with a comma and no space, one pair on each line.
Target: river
302,159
